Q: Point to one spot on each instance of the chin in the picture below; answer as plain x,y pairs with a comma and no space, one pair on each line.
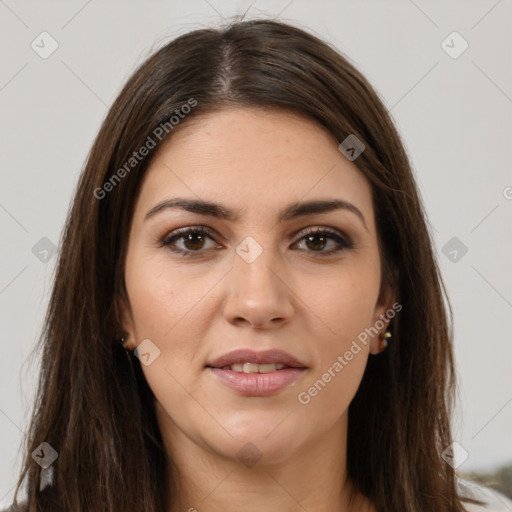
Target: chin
251,451
261,439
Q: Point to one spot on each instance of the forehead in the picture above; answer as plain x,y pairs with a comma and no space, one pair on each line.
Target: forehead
253,159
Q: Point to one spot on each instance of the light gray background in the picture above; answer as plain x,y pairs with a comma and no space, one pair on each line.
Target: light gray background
454,116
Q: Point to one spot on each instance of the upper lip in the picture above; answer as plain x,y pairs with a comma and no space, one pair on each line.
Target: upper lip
251,356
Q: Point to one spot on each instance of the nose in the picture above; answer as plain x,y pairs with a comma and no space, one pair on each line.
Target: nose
259,293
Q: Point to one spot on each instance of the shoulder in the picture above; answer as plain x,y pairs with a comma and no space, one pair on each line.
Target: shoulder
493,500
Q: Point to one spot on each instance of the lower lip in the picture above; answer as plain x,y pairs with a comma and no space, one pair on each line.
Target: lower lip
258,384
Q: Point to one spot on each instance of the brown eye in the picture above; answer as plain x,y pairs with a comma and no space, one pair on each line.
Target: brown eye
316,242
317,239
193,240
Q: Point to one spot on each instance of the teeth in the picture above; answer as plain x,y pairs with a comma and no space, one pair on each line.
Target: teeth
254,368
267,368
250,368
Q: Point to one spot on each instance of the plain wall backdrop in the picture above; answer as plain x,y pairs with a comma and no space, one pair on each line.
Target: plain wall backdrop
64,63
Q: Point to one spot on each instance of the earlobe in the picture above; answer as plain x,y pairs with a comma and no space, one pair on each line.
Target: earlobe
379,342
381,322
384,313
126,322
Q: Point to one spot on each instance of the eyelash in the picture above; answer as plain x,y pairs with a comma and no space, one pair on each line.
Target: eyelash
343,241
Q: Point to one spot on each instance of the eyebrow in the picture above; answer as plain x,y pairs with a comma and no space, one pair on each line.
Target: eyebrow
292,211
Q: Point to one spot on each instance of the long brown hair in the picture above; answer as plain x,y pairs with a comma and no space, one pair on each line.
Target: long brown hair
93,404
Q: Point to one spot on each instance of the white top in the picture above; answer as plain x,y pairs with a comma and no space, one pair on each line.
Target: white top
495,501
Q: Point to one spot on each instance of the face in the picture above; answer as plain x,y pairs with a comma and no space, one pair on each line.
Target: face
293,289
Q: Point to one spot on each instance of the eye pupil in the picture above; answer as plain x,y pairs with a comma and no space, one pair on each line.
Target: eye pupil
190,237
316,246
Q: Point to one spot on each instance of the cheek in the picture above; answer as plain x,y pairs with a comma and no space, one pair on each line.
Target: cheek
346,302
326,397
342,359
171,309
161,297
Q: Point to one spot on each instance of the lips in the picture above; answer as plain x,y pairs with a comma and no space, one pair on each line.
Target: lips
266,357
253,373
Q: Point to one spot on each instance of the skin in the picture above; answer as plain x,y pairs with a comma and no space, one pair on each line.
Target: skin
291,297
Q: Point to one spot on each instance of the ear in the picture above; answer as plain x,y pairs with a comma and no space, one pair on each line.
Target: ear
384,311
127,324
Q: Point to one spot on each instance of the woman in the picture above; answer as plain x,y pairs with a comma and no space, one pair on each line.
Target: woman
247,313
